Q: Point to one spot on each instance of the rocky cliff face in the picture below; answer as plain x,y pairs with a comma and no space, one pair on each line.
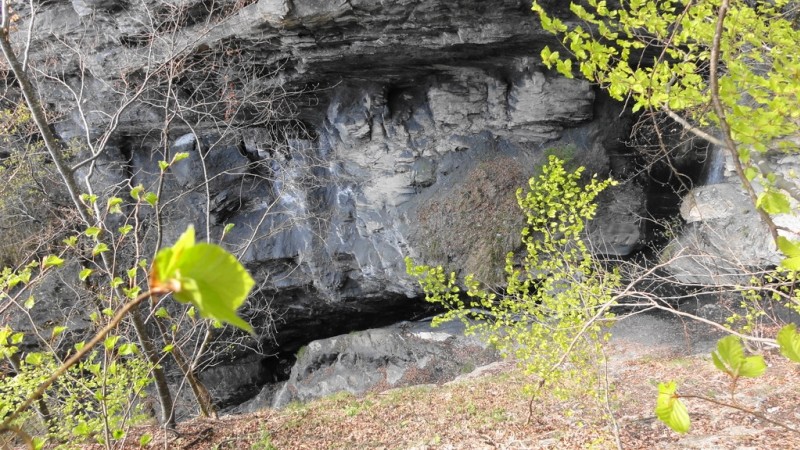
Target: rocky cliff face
338,136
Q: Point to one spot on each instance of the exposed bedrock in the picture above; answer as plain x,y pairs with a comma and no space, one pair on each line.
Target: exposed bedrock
417,122
725,240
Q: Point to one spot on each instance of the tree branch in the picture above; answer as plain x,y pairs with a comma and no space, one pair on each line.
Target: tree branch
71,361
742,409
719,109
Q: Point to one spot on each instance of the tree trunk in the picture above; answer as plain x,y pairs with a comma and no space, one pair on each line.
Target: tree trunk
57,155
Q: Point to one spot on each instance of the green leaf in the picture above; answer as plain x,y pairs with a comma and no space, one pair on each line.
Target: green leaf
168,260
227,229
88,199
92,232
52,261
753,366
113,205
789,342
215,282
70,241
564,67
791,263
548,57
773,202
136,192
29,303
145,439
151,198
204,275
99,248
179,157
34,359
38,443
128,348
729,355
110,342
163,165
58,330
133,292
125,229
168,348
789,248
670,409
162,313
750,173
118,434
84,274
82,429
729,358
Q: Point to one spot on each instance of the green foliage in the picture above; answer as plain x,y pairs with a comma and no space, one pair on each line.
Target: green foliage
550,316
670,409
789,342
264,442
792,251
96,395
654,54
97,399
204,275
729,358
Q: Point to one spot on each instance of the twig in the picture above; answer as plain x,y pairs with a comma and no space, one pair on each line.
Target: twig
607,388
742,409
71,361
719,109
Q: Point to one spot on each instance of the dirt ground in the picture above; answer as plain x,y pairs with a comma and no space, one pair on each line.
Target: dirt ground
487,410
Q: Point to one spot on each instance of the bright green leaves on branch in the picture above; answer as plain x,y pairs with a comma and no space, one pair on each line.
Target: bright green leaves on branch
670,409
729,358
655,56
551,314
789,342
52,261
204,275
792,251
773,202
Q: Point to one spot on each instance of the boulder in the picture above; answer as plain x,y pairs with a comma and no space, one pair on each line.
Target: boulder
403,354
725,239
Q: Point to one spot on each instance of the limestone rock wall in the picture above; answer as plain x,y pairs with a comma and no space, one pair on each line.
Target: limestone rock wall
376,129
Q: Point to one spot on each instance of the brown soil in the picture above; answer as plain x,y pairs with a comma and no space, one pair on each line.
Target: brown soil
489,411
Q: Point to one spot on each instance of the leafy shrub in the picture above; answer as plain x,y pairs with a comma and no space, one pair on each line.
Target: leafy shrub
556,299
97,399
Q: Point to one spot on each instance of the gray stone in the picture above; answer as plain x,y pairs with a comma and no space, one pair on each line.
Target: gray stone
724,240
88,7
409,353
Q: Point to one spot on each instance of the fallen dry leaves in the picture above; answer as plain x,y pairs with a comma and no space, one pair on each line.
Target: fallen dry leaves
488,412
